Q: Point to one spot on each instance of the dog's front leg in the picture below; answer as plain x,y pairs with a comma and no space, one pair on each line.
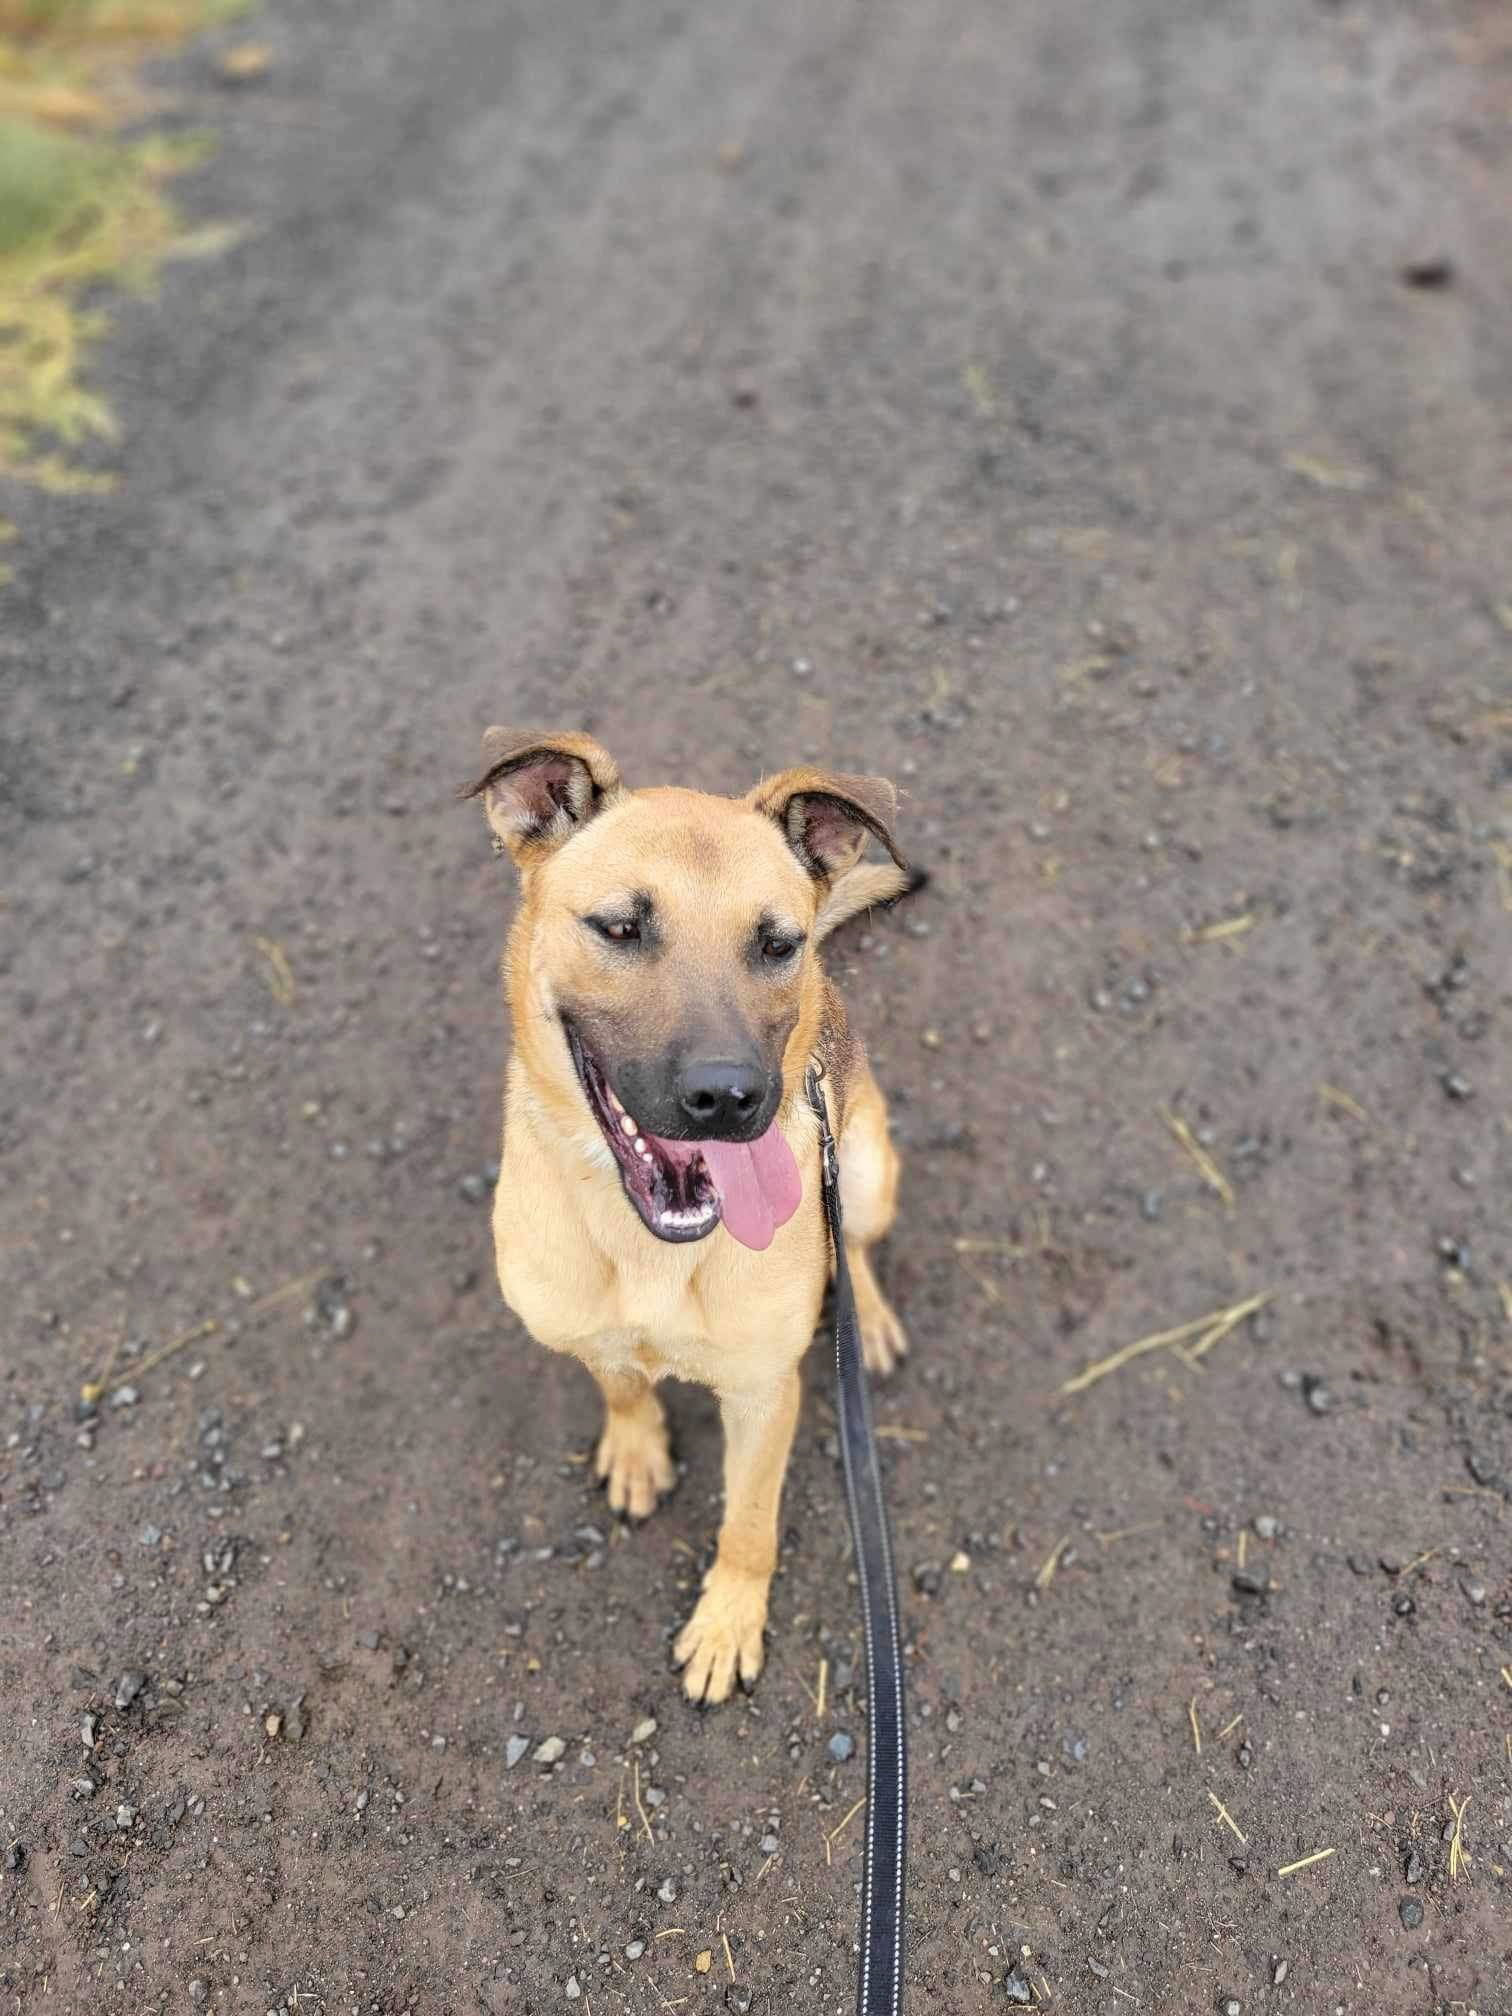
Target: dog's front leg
723,1636
633,1459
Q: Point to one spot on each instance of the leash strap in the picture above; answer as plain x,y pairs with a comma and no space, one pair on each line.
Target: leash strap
879,1990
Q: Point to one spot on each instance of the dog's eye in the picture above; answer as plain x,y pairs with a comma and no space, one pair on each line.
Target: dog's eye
618,930
776,949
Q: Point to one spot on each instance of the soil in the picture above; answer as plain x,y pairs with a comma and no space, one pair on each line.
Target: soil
1095,418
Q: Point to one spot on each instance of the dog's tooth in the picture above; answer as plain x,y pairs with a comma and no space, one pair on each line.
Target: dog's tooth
640,1146
627,1123
646,1155
614,1099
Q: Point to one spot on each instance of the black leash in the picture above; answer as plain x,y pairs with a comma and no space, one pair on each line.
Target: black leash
879,1991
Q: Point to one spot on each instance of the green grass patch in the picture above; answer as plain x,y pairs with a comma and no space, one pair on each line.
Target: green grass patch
80,210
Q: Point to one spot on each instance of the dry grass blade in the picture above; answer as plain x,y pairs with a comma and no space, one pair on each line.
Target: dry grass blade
1208,1330
1459,1861
1227,1818
1224,928
1046,1574
1332,1096
280,975
1320,1855
1211,1174
1196,1725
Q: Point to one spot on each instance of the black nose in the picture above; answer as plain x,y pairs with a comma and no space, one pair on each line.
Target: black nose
721,1098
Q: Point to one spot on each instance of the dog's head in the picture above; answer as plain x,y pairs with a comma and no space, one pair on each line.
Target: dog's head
663,971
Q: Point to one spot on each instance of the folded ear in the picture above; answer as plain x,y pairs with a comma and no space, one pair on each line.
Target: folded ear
541,786
827,816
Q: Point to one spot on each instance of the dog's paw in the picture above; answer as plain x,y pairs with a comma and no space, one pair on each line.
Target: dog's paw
635,1463
721,1641
884,1341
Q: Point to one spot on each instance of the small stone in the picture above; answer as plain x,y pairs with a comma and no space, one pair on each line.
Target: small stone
1280,1971
273,1724
514,1750
125,1818
128,1687
1414,1871
926,1577
932,1039
15,1857
1403,1606
1016,1988
199,1992
1475,1592
644,1730
1410,1911
368,1640
549,1751
702,1962
1266,1527
1457,1085
1315,1392
1246,1584
770,1844
89,1729
150,1536
125,1396
667,1892
635,1949
842,1746
573,1990
1231,2006
960,1563
738,1997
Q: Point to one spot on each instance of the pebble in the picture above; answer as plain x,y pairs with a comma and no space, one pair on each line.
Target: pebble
926,1577
842,1746
125,1396
549,1751
199,1991
15,1857
1457,1085
667,1892
770,1844
1231,2006
1016,1988
635,1949
1267,1527
1246,1584
1404,1606
514,1750
1280,1971
573,1989
128,1687
738,1997
644,1730
125,1818
1316,1393
1475,1592
1414,1871
1410,1911
150,1536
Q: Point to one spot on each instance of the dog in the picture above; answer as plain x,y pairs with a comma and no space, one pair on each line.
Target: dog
658,1209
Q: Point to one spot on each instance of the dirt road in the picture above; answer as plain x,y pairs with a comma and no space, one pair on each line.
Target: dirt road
1095,418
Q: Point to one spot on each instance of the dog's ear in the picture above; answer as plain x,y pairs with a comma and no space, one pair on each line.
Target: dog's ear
827,816
541,786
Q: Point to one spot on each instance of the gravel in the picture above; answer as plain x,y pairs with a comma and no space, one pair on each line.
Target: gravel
1410,1911
514,1749
842,1746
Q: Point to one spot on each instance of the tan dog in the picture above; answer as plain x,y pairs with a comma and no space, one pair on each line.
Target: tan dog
658,1210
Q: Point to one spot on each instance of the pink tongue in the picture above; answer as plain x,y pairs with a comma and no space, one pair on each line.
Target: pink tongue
758,1183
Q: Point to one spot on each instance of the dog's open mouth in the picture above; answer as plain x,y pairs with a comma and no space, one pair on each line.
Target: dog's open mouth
683,1189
